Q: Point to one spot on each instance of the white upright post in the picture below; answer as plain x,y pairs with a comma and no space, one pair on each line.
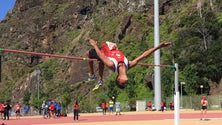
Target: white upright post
176,98
157,75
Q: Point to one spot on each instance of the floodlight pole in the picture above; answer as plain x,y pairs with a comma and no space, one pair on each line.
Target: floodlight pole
157,78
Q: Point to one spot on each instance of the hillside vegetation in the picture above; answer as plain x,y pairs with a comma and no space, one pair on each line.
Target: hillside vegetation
64,26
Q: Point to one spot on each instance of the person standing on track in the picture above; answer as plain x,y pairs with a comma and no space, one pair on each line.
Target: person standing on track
204,104
117,104
2,108
162,106
52,110
7,108
107,106
17,110
76,110
103,107
111,104
59,107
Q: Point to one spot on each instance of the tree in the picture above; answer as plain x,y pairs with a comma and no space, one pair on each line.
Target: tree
26,97
112,88
167,81
35,102
65,97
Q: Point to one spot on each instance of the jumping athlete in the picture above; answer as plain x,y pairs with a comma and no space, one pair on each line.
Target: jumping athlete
114,59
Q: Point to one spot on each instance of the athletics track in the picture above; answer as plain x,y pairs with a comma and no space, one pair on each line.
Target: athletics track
127,118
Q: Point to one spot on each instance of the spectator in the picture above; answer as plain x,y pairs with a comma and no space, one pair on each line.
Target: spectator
47,106
162,106
172,106
44,113
52,110
59,107
17,110
118,108
7,109
26,109
164,103
55,108
107,106
110,107
76,110
104,108
2,110
149,106
204,104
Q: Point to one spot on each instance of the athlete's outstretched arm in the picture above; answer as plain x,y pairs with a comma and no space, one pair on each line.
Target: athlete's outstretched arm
102,57
147,53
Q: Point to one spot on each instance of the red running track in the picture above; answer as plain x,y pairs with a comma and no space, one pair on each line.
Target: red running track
107,118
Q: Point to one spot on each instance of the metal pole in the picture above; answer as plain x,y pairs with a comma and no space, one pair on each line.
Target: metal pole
181,94
90,100
181,101
201,89
176,99
38,80
157,82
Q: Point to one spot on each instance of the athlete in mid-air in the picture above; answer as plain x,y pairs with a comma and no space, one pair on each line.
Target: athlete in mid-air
114,59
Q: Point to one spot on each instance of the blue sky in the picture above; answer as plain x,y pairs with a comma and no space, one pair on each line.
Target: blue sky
5,6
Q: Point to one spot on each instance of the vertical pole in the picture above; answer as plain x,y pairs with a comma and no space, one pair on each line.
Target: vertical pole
90,101
201,89
38,80
157,82
181,94
176,98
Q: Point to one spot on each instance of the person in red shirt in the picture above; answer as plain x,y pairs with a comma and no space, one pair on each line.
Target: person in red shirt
17,110
104,108
149,106
172,106
115,60
52,110
204,104
107,106
76,110
162,106
2,110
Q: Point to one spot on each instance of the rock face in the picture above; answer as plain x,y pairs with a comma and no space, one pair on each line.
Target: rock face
61,27
42,26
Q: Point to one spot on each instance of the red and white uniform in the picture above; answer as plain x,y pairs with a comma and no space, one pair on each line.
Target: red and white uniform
111,51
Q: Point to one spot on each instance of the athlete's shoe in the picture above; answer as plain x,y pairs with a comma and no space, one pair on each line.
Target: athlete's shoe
99,83
91,77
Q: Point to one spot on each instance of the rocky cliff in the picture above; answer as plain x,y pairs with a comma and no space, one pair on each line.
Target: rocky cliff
56,27
63,27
